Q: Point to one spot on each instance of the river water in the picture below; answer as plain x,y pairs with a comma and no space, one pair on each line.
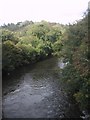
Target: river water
36,92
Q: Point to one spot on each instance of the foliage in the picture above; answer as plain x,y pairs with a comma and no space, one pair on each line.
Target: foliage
11,56
29,43
8,35
75,51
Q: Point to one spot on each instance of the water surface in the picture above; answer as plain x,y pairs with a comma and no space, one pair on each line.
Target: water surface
35,92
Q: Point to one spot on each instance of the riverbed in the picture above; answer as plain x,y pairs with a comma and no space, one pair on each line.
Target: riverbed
35,91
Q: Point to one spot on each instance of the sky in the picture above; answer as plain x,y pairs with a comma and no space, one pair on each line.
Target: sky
60,11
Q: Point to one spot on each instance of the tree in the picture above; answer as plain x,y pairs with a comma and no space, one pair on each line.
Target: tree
8,35
11,57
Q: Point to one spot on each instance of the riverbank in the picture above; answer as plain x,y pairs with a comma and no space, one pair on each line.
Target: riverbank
31,64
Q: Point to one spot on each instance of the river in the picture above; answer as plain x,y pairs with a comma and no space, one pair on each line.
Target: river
36,92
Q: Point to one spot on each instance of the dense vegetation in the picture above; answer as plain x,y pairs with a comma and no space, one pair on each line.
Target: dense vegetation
76,53
28,42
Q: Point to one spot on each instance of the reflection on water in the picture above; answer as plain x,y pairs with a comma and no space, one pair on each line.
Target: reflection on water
35,92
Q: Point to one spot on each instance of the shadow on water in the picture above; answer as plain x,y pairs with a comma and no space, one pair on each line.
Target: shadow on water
35,92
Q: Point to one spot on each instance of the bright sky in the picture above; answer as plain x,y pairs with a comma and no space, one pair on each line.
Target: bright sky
61,11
